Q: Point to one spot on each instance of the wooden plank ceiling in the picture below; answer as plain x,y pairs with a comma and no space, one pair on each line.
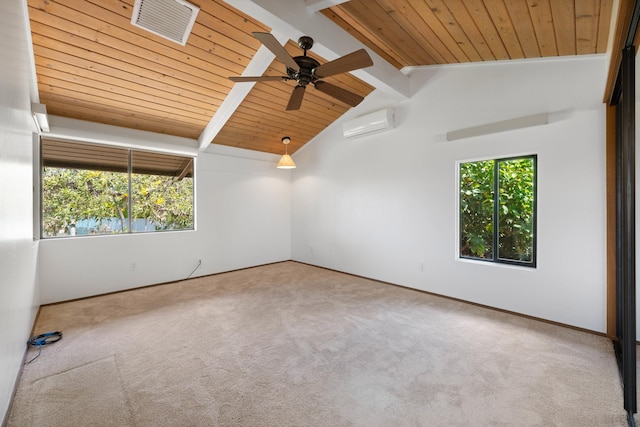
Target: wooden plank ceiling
428,32
92,64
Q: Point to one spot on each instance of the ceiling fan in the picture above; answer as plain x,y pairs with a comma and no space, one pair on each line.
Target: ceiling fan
304,70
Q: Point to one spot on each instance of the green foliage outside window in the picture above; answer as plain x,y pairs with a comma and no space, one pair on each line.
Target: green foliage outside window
476,209
512,208
97,202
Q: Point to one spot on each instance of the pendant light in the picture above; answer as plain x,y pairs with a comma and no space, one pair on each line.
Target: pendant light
286,162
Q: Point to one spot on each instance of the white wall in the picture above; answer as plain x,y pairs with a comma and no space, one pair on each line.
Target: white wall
384,206
243,220
18,297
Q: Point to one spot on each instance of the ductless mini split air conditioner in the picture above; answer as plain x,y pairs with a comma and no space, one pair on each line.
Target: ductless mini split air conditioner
369,124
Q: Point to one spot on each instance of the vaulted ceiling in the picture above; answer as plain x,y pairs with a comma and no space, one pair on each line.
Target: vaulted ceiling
93,64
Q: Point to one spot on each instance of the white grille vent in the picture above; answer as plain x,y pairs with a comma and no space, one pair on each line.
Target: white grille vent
171,19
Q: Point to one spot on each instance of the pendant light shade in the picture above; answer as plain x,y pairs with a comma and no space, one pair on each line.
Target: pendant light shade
286,162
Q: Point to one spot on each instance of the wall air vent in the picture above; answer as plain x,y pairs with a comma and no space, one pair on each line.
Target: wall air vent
171,19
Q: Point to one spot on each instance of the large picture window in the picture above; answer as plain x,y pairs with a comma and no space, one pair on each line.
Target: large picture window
498,210
89,189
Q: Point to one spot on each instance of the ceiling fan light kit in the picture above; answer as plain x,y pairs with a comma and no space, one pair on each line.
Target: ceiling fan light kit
306,70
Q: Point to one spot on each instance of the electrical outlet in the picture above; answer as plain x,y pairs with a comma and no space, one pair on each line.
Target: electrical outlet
421,268
133,266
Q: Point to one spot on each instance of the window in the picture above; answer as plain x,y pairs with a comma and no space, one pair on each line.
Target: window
498,210
89,189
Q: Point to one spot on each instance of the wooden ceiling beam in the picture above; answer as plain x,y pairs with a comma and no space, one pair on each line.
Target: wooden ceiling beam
317,5
257,66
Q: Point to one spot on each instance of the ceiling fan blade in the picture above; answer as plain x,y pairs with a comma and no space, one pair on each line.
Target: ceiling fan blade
296,98
257,78
271,43
353,61
340,94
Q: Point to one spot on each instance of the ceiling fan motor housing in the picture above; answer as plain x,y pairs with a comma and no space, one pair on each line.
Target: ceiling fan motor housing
304,75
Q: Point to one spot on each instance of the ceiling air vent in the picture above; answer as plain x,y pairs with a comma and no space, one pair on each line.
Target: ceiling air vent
171,19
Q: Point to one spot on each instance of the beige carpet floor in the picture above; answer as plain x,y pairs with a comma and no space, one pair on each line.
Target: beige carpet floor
289,344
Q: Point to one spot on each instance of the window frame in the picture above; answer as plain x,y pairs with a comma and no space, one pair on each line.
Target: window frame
39,226
495,215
